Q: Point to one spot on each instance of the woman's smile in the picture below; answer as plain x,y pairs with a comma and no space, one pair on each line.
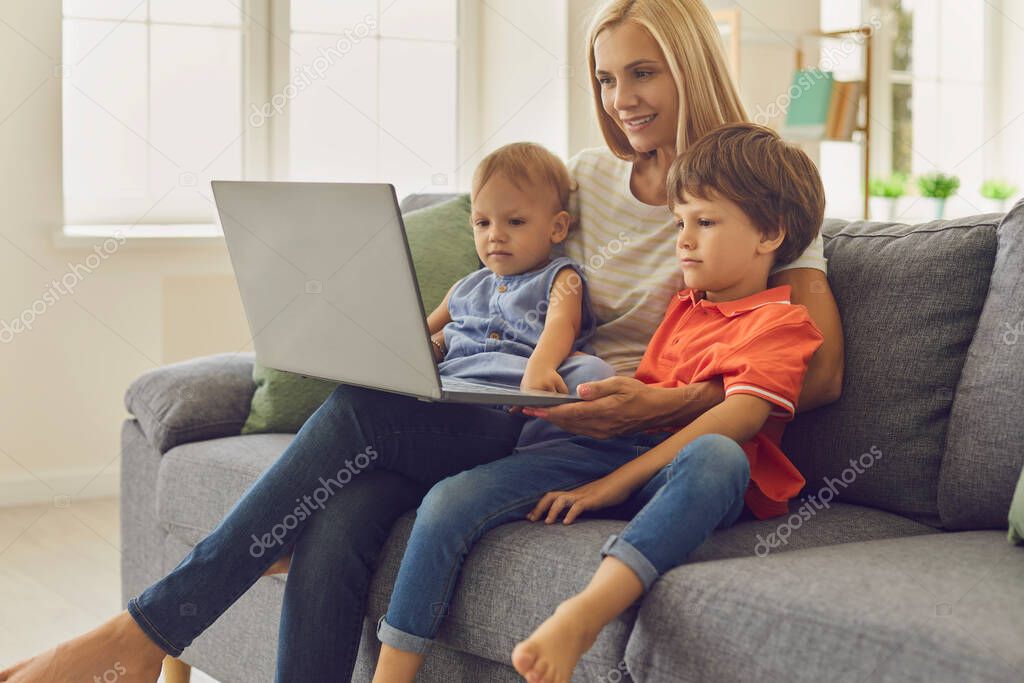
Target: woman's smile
638,123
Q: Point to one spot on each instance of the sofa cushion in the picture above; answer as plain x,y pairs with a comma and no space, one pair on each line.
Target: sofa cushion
202,398
217,472
938,607
198,483
910,298
984,455
519,572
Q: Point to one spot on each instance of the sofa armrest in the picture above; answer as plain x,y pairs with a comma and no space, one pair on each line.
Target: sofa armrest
198,399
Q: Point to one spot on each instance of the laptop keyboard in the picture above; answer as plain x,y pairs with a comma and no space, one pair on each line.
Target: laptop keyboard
453,384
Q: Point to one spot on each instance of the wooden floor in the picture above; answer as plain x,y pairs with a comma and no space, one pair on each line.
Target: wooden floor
59,574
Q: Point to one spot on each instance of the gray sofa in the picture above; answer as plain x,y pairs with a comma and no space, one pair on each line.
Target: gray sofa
894,565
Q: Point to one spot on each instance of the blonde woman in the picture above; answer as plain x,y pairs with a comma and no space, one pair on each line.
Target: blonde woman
660,82
660,85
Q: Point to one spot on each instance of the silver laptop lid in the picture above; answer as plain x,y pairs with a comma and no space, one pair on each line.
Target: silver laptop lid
327,282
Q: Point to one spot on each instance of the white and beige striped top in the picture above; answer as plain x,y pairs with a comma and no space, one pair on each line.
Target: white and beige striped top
627,250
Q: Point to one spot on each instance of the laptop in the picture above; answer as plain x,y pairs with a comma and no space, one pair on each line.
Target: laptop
329,290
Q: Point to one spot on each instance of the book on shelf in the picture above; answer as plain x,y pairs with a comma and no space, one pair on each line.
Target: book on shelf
810,102
843,110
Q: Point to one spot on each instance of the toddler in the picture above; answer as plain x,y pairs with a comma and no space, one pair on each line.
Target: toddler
524,319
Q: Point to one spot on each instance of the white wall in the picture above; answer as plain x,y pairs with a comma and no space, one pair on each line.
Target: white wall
1007,130
62,382
522,88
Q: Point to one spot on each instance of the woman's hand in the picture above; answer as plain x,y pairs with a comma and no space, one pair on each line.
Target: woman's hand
543,379
604,492
610,407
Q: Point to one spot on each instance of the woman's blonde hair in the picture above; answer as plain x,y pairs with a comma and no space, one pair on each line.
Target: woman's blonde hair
692,45
526,163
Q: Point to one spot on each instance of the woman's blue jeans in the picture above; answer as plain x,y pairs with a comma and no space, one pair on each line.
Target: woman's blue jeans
700,490
359,462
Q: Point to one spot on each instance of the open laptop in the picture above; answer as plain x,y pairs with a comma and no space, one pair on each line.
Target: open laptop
329,290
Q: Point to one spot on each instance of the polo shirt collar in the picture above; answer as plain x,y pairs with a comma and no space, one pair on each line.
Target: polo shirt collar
775,295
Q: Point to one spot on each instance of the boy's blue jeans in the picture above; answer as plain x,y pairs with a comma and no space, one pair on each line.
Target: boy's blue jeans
700,490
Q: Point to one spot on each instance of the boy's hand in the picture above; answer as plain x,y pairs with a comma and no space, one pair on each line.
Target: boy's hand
546,379
604,492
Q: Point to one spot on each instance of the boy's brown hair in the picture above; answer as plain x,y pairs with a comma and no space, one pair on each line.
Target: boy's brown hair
526,163
772,181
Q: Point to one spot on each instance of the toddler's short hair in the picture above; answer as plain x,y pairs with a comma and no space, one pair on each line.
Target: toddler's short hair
772,181
526,163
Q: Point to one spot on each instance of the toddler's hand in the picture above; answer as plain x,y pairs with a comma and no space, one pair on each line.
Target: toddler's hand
544,380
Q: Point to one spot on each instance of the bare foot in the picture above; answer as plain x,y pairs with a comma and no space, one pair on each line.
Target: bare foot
551,652
117,650
281,566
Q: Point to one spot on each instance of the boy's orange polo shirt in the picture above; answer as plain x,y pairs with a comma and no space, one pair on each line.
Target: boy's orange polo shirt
760,345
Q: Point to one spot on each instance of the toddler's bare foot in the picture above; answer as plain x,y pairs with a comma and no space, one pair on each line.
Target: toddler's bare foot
551,652
117,648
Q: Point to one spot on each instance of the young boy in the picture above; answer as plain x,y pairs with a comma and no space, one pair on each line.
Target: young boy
745,201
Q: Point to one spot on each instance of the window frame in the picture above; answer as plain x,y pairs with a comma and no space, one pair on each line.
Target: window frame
265,70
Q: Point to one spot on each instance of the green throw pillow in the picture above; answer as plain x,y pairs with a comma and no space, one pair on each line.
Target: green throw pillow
1016,517
442,249
283,400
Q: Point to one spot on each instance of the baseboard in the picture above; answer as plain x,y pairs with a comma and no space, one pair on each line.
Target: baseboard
59,488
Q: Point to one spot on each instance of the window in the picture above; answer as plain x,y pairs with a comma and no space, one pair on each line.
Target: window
901,85
146,120
161,96
949,70
935,108
379,92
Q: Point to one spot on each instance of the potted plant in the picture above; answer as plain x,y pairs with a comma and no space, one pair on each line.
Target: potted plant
885,194
936,188
996,192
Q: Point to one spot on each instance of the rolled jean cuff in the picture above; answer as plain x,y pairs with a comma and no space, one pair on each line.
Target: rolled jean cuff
633,558
400,640
151,631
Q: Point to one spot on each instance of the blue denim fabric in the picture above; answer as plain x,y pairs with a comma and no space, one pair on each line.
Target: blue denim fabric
360,461
504,314
700,490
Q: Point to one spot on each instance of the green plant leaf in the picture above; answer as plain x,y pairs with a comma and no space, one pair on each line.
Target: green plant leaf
938,185
893,187
997,189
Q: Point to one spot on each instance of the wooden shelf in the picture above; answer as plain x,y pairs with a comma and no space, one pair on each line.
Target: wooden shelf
865,34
